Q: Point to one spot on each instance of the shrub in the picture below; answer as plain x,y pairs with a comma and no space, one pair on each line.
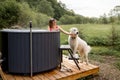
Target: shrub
27,14
114,38
105,51
47,9
9,13
13,13
66,19
97,41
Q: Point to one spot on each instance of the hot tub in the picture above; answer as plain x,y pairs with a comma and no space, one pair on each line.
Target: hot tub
16,50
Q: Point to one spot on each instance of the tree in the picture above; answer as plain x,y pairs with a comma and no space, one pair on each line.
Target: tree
45,7
59,10
28,14
9,13
79,19
115,15
104,19
66,19
117,12
93,20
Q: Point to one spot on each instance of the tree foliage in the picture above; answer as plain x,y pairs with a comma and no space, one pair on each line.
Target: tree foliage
66,19
27,14
13,13
9,13
46,8
20,12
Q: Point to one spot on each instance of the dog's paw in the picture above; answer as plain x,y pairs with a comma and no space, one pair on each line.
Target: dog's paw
81,61
87,63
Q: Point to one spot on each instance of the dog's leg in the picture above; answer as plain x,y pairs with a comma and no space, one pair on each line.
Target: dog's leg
75,47
75,51
86,59
82,58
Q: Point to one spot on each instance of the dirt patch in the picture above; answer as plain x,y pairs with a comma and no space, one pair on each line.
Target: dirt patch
107,69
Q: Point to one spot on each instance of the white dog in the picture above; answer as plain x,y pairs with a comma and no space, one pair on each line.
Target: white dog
78,45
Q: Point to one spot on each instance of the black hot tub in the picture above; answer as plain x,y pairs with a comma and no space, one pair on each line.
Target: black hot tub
16,50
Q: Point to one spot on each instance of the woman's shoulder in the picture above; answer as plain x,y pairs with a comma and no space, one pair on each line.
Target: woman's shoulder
59,27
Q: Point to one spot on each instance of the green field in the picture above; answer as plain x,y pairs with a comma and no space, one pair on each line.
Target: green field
89,30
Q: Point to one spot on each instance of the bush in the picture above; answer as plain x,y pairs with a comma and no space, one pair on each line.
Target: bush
13,13
66,19
97,41
47,9
114,38
9,13
40,20
105,51
27,14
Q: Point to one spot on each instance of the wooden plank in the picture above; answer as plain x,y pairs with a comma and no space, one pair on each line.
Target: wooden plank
35,78
62,74
18,77
9,77
49,76
70,62
80,75
42,77
56,74
27,78
85,70
73,67
82,65
2,74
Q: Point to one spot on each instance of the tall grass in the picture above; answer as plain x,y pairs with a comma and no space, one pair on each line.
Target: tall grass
94,34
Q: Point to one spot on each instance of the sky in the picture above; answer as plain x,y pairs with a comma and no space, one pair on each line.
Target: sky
91,8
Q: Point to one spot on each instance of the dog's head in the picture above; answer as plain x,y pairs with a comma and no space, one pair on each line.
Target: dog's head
74,32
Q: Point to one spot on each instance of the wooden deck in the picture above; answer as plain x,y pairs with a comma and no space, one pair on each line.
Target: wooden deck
56,74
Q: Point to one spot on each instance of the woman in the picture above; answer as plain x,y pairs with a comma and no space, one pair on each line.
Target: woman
54,27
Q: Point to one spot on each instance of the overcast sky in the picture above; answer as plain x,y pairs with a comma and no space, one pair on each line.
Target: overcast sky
91,8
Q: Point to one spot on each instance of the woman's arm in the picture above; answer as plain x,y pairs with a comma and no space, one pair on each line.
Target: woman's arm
65,32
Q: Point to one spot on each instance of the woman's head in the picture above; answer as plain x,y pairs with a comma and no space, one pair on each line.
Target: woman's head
52,22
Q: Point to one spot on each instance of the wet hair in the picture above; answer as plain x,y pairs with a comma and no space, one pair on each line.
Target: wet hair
51,22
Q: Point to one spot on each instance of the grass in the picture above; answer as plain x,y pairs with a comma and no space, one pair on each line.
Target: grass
104,51
89,30
117,64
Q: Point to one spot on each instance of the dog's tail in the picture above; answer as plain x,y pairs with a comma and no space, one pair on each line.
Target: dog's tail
88,49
